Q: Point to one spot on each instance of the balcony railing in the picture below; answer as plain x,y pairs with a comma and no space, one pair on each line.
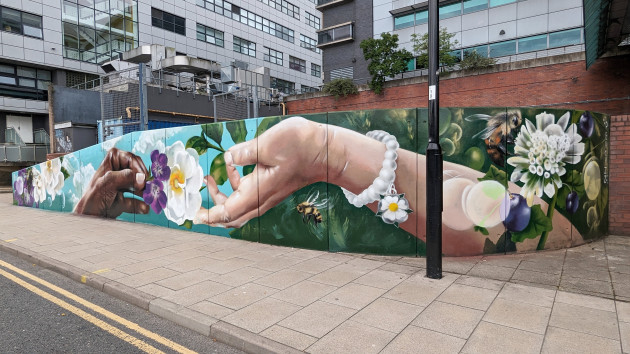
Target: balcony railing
23,153
322,4
337,34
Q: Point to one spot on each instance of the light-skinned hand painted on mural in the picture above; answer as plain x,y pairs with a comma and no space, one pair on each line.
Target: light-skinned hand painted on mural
352,161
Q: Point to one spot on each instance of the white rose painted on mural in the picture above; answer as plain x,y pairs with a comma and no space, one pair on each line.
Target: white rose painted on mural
184,198
52,176
39,186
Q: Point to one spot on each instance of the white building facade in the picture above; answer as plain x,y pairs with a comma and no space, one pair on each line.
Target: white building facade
66,41
509,30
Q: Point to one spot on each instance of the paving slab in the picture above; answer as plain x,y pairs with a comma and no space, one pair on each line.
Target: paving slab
415,340
493,338
585,320
560,340
353,337
390,315
449,319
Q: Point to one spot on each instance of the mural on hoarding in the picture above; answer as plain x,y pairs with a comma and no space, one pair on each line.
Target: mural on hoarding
515,179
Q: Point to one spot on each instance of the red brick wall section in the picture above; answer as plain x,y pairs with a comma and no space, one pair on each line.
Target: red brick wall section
606,81
619,204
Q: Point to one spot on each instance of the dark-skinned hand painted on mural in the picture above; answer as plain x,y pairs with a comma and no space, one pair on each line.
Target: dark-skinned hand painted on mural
514,180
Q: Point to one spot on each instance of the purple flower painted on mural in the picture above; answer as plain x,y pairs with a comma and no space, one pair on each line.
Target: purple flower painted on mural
23,189
154,195
159,167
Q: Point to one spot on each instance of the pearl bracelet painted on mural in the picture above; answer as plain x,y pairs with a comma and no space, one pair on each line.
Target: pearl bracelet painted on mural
383,183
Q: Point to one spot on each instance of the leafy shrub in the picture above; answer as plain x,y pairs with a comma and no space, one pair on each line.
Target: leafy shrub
338,87
474,60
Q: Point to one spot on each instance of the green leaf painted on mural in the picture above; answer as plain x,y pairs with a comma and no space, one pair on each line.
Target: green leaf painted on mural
266,124
248,169
199,143
213,131
218,171
602,200
202,188
187,224
561,202
494,174
576,182
538,223
483,230
238,131
489,247
65,172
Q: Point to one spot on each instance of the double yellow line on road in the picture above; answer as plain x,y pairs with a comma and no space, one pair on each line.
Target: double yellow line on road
90,318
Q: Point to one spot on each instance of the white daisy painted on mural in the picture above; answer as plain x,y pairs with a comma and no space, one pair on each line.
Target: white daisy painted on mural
52,176
393,209
542,152
184,198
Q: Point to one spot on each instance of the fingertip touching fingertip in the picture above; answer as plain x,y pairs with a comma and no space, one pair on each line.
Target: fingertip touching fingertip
228,158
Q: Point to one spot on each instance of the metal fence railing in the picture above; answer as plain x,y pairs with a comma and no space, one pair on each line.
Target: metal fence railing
23,153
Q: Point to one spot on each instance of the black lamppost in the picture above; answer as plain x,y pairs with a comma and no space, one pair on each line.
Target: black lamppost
434,154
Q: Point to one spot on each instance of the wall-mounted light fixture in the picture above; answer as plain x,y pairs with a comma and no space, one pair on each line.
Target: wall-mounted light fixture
501,33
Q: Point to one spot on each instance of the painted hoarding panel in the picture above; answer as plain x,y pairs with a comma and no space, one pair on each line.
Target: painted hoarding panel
279,181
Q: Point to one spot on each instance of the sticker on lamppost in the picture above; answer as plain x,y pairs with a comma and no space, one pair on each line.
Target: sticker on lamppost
432,92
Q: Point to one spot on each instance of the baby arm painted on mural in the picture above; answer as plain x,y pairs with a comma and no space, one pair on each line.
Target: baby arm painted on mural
297,152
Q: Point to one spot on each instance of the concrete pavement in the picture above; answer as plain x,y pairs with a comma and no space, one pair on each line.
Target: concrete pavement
262,298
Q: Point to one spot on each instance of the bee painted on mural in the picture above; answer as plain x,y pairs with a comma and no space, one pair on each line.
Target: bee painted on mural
310,209
498,133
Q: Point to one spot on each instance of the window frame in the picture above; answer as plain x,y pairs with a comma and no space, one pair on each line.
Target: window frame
21,23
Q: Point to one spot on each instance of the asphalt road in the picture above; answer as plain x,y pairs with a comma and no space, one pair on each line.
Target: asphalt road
32,323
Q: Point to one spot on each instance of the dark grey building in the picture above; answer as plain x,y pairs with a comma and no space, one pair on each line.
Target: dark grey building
345,24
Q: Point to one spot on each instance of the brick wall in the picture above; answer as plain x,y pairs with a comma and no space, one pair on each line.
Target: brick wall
619,204
556,81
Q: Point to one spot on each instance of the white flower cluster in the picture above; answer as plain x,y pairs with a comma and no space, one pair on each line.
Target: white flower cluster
542,151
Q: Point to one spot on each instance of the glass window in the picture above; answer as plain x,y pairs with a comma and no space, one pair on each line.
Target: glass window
481,50
7,80
564,38
244,46
168,21
70,12
316,70
502,49
26,72
44,75
11,20
312,20
403,21
422,17
32,25
7,69
500,2
26,82
287,87
531,44
451,10
411,65
297,64
308,43
210,35
273,56
474,5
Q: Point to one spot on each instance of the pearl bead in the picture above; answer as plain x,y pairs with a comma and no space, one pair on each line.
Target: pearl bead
380,186
389,164
372,194
392,145
391,155
387,175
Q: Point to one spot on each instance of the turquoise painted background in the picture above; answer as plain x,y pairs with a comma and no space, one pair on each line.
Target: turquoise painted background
481,150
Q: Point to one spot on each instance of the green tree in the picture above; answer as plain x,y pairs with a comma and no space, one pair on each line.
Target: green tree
385,59
474,60
446,45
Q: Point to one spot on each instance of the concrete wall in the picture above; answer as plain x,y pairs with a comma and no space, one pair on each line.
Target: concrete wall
76,106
